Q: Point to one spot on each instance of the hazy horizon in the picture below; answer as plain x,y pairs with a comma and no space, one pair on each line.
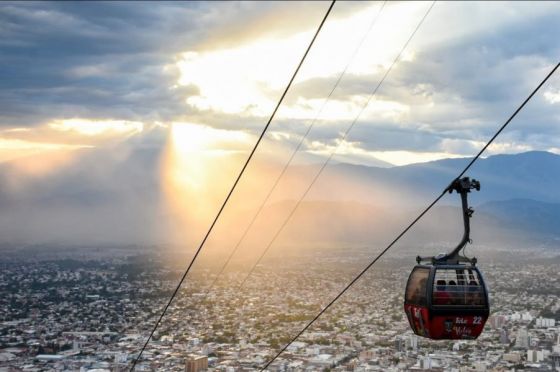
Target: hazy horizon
137,137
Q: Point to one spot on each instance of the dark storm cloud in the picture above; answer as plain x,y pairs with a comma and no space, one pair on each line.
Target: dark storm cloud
91,60
107,59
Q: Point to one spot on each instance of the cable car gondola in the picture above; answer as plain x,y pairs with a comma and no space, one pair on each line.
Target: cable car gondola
446,297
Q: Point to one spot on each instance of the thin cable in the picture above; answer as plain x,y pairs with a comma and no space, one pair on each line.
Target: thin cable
234,184
415,220
508,121
296,150
341,142
355,279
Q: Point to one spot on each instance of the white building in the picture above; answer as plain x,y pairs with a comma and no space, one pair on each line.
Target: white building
522,340
426,363
537,356
545,322
412,342
556,347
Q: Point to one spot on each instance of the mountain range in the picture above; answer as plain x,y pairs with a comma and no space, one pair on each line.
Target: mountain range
116,197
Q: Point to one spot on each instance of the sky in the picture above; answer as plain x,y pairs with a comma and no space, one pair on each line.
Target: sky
83,75
129,122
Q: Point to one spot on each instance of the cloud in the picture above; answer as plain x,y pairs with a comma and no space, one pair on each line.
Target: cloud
552,97
99,85
465,71
116,61
458,91
97,60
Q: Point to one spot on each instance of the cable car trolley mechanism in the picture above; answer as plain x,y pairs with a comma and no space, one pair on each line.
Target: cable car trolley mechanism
446,297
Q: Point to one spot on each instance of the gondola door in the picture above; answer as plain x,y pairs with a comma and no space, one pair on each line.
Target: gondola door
416,301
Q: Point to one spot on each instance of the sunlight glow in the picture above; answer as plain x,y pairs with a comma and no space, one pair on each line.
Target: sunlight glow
247,79
97,127
235,80
195,138
410,157
197,167
11,149
351,152
34,159
194,150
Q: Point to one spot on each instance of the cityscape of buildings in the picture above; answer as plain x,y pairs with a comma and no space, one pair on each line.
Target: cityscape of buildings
95,314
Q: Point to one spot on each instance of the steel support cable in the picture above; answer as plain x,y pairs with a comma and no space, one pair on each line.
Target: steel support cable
234,185
342,139
295,151
469,165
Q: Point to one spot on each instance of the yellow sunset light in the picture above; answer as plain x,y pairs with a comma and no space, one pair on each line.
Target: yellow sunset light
410,157
97,127
196,138
11,149
248,78
196,170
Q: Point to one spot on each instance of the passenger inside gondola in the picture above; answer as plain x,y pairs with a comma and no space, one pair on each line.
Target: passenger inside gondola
474,294
441,295
471,293
453,293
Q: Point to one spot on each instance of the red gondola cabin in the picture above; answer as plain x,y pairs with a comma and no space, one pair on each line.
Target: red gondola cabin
446,298
446,301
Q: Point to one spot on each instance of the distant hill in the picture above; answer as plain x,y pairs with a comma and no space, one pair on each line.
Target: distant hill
530,175
115,196
528,215
350,222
